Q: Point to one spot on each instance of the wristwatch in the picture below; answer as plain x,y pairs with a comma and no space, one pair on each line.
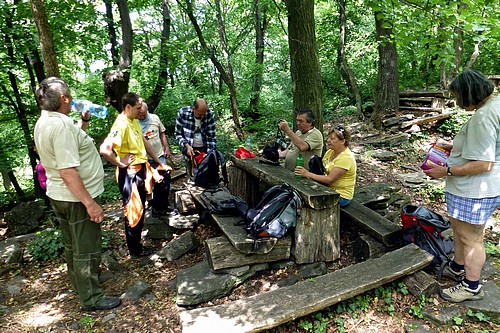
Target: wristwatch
448,171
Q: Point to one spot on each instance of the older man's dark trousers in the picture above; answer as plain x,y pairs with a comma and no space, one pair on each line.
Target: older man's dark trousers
82,245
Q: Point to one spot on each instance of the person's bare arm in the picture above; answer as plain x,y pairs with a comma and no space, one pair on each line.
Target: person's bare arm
468,169
298,142
332,177
72,179
106,150
151,153
164,142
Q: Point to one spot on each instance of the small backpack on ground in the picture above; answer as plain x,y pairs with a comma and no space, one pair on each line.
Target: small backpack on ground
220,201
424,228
208,172
275,214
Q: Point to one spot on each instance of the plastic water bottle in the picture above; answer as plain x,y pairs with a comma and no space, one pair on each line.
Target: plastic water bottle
248,144
299,162
82,105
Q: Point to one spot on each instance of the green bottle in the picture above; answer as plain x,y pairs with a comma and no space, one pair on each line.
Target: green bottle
299,162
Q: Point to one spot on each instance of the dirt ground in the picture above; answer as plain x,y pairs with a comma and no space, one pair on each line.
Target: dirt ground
46,305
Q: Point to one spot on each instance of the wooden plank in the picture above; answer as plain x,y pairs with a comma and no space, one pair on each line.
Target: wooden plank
314,194
426,120
425,93
222,254
387,232
420,109
236,233
282,305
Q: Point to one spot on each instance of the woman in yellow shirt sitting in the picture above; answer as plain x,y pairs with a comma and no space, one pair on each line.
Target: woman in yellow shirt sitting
339,164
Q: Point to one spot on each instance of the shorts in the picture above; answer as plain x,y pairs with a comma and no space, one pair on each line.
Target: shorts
471,210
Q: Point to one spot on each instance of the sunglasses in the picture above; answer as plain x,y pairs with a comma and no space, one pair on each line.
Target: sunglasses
340,129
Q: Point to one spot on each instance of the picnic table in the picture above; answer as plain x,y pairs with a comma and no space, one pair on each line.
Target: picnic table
316,237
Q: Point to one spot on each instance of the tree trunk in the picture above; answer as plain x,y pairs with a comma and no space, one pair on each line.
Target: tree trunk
112,33
163,76
45,35
304,61
16,101
345,65
116,81
260,29
225,72
387,90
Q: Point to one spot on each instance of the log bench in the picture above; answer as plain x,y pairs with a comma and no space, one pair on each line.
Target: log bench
236,234
374,224
316,237
282,305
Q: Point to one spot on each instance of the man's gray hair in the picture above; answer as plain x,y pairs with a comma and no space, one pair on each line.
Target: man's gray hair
49,93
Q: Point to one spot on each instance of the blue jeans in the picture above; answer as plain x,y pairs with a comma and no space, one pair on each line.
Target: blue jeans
344,202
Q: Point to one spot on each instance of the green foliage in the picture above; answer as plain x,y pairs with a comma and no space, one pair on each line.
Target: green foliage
416,309
478,315
432,192
492,249
47,245
458,320
87,322
111,192
452,125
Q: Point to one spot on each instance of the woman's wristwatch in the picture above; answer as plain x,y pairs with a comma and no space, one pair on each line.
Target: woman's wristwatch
448,171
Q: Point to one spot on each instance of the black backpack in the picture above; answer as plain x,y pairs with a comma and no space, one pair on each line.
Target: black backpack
424,228
220,201
270,152
275,214
207,173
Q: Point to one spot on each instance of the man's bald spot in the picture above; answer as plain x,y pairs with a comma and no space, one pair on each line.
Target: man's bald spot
200,108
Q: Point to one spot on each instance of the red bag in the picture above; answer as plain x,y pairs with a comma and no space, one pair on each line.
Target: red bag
198,157
242,153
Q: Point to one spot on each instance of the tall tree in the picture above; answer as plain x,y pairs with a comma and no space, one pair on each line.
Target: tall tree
45,36
226,72
116,80
386,95
163,75
261,21
304,61
351,80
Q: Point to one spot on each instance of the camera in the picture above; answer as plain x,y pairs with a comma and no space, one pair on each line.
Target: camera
281,144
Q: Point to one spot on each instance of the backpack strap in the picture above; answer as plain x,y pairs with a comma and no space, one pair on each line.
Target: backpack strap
223,167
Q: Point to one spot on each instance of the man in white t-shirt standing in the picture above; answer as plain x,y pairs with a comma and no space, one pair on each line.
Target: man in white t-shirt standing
154,131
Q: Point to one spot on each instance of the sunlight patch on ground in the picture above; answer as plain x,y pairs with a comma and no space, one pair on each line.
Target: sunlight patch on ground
40,315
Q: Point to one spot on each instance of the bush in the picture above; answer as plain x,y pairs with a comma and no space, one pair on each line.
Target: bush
452,125
48,245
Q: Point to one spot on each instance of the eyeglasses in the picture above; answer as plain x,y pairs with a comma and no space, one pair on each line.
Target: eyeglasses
197,129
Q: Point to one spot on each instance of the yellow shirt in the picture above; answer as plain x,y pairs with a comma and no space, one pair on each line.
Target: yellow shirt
345,184
126,136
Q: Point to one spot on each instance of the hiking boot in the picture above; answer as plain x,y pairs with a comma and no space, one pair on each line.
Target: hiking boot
144,253
106,303
457,276
461,292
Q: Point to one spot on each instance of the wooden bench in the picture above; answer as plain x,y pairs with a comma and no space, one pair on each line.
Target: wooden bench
236,248
279,306
316,236
374,224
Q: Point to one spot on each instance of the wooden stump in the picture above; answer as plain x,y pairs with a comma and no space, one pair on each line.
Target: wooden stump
421,283
222,254
367,247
